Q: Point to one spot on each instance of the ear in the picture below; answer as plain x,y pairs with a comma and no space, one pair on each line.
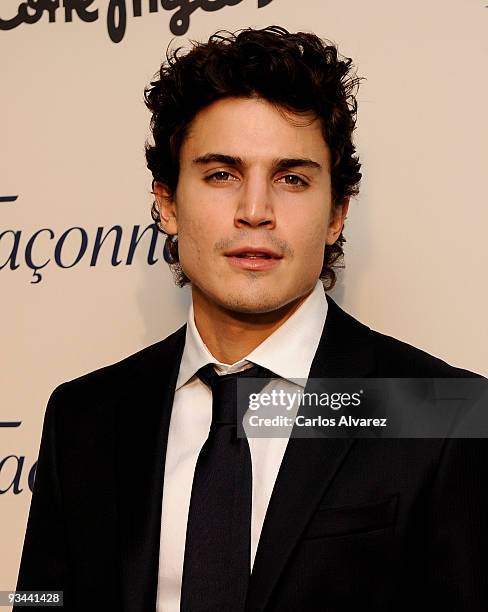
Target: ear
336,223
166,206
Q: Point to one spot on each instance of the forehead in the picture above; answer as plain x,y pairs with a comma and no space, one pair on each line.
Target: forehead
255,130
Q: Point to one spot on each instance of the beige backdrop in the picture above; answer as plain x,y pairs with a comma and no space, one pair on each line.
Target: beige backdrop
73,126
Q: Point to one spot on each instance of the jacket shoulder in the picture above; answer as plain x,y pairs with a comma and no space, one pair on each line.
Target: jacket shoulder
114,376
389,357
396,358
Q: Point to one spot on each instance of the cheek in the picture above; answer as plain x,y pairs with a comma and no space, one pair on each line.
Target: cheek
189,239
314,248
198,232
310,236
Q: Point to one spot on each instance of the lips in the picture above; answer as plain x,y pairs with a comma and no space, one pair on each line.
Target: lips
253,253
254,259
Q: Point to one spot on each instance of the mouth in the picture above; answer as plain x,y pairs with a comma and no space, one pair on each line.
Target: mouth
252,258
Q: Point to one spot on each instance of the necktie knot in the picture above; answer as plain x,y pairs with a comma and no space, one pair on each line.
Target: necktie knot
224,392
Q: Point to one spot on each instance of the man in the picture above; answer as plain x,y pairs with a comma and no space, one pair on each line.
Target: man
144,496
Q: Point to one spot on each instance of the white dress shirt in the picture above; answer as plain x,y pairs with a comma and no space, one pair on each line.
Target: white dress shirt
288,352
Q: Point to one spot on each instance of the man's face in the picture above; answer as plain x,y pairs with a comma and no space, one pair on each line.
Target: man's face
253,205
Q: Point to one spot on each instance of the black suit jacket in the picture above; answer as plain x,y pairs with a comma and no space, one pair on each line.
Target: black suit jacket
365,524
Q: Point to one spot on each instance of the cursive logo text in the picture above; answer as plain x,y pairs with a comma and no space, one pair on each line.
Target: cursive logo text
31,11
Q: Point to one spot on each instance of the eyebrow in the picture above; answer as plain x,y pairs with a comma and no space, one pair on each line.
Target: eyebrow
279,164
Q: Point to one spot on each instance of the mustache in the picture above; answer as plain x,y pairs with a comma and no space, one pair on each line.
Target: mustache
251,238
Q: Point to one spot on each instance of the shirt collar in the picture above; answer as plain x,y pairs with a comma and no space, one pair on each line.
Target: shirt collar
288,351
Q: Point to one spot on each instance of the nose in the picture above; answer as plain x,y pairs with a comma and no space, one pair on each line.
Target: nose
255,207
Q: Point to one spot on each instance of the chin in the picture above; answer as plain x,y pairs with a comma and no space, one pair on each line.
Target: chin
255,301
247,307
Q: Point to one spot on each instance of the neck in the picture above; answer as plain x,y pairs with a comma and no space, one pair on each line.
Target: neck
230,335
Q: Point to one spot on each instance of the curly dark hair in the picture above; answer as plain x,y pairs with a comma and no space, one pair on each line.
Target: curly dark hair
298,72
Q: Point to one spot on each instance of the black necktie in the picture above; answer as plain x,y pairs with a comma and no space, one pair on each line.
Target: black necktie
217,558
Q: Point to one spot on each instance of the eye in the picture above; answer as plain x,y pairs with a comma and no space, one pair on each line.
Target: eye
293,180
219,177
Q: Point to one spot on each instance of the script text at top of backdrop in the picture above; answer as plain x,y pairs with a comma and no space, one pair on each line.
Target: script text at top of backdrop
31,11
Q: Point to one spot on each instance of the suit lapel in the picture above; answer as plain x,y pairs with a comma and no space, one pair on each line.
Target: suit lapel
142,423
309,465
